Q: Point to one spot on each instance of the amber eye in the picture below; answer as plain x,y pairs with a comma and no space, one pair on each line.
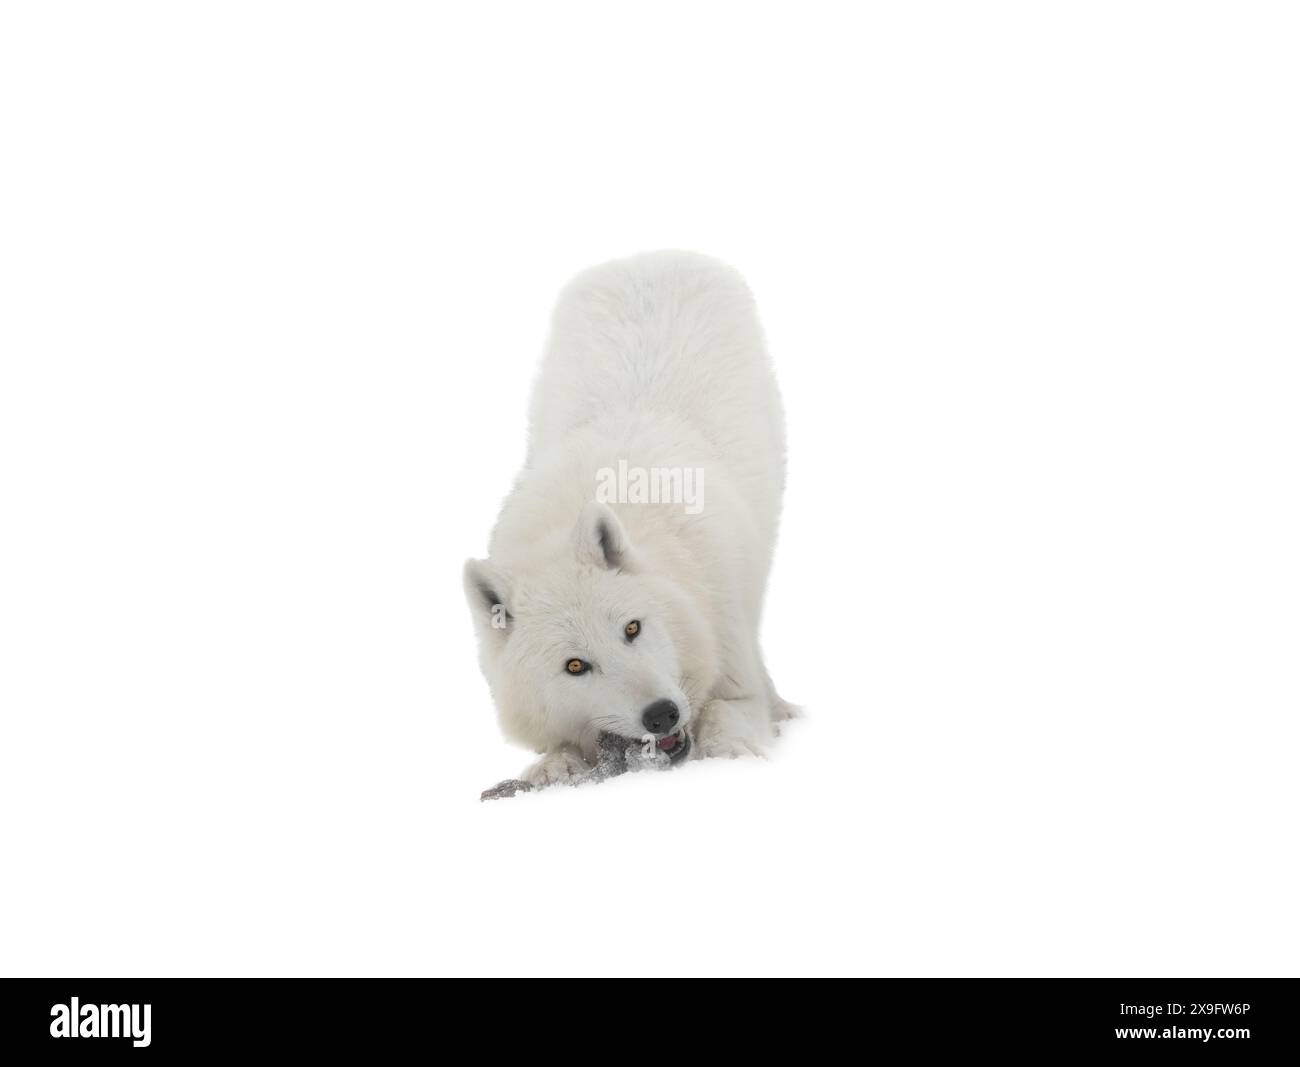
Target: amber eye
577,666
632,629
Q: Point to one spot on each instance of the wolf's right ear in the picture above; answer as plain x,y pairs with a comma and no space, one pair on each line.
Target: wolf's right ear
487,589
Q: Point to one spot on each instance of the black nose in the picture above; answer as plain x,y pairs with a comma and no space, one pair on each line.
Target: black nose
660,717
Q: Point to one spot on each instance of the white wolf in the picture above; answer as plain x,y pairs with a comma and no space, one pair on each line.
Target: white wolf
634,618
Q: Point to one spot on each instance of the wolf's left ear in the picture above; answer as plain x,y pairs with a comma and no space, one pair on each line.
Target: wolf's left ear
601,539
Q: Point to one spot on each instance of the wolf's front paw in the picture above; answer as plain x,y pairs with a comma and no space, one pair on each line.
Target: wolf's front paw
558,765
718,744
729,729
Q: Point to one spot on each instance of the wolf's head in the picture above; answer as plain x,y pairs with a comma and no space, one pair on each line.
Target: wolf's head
585,640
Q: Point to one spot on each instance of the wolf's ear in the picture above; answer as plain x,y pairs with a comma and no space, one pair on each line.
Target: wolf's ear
487,588
601,539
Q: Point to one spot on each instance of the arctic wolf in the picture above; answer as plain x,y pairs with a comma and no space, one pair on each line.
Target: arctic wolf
606,608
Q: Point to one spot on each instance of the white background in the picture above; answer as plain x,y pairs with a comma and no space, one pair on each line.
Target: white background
274,281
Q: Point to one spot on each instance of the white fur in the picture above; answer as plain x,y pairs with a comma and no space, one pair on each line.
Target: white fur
657,360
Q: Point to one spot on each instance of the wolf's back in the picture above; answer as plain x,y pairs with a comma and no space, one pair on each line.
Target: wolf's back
671,332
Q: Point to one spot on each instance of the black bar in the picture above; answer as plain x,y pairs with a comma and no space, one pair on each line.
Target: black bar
369,1017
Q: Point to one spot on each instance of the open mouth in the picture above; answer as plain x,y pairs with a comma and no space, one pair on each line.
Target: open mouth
677,746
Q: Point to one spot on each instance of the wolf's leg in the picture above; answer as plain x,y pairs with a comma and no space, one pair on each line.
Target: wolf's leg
747,674
731,727
781,710
558,765
739,716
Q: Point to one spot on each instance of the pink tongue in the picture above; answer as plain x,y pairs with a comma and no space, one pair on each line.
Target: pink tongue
668,742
